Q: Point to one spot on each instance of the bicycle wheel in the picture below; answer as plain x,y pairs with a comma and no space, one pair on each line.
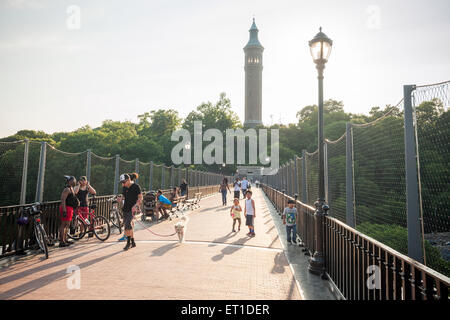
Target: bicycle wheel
77,229
115,220
101,228
41,238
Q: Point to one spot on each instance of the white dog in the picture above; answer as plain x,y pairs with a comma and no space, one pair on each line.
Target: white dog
180,228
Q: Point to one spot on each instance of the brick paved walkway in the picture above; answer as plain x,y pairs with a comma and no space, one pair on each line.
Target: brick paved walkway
213,263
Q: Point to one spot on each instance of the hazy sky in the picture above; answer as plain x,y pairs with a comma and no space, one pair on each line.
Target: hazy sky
129,57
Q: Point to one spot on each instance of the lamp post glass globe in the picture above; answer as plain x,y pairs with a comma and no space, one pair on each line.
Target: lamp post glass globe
320,47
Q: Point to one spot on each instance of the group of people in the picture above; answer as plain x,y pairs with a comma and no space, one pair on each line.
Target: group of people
74,199
239,186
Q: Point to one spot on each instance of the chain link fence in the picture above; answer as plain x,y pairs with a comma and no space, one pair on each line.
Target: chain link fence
33,171
336,160
366,176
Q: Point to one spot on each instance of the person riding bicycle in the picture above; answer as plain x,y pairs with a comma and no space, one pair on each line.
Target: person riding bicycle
82,190
69,202
163,204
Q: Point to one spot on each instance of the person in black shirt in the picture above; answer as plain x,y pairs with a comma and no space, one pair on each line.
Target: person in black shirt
133,199
69,202
82,190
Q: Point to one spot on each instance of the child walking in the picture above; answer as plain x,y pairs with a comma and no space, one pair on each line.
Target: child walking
235,213
290,220
250,214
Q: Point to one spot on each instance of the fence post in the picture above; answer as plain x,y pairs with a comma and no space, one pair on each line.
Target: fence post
295,175
285,167
288,178
162,176
172,181
325,170
23,188
88,165
136,168
41,174
116,175
292,178
350,201
304,185
151,177
412,184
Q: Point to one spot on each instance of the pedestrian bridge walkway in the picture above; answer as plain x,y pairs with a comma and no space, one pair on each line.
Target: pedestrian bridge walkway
212,263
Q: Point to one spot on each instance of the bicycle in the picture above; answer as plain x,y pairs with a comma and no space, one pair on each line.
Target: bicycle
115,215
97,225
39,232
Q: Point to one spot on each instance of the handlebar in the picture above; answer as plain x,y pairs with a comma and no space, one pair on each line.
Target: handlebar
34,209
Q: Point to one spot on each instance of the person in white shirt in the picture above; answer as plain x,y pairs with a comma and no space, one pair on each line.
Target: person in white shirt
237,188
244,186
250,214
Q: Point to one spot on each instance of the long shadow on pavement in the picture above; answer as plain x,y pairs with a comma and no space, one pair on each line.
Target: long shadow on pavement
230,249
35,284
162,250
47,266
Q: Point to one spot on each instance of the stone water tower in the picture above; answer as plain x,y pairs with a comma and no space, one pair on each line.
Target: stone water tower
253,79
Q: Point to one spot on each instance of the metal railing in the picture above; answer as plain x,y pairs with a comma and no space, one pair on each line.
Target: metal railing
362,268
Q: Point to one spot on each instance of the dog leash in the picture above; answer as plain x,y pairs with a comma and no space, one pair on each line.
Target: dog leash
156,234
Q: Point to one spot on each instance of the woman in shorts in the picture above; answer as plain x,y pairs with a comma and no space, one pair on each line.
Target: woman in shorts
69,202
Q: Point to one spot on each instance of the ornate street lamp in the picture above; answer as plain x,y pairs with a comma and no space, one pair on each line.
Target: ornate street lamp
320,47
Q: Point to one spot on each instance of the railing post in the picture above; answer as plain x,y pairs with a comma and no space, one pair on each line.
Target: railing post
88,165
162,176
136,168
304,181
150,185
350,200
412,185
116,175
23,188
41,174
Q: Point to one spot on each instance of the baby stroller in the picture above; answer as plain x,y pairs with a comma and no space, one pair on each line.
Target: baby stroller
149,205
